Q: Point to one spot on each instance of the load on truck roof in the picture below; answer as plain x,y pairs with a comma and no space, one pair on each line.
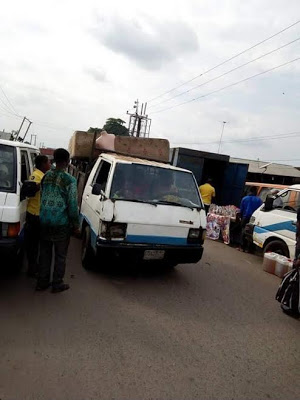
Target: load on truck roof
83,144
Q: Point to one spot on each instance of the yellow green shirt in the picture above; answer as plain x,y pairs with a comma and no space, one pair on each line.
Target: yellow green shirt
34,203
207,193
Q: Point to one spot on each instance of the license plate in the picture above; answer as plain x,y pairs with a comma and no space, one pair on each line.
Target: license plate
154,254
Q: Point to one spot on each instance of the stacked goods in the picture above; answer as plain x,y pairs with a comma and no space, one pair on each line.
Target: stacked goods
283,265
269,262
226,211
277,264
81,143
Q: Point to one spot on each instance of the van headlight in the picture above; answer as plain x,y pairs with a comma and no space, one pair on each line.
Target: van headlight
196,235
10,230
113,231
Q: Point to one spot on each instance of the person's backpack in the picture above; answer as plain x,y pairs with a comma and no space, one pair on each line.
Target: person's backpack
288,293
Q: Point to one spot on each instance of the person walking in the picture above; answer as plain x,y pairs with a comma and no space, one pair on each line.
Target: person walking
32,226
208,193
249,204
59,218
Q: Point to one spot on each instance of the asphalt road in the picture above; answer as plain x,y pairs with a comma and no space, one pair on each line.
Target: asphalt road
206,331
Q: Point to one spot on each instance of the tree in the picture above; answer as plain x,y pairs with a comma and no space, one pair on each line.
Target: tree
93,130
116,126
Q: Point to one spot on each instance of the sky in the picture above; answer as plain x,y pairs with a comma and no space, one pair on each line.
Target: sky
68,65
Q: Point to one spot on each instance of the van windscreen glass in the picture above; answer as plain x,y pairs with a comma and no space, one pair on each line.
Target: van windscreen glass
151,184
7,168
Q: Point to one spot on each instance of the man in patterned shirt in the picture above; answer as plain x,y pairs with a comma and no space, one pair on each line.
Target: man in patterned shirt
59,219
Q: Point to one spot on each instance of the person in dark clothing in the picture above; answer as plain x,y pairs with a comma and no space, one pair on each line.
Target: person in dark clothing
58,218
32,226
297,252
249,204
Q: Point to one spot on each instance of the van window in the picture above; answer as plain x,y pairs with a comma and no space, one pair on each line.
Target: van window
7,168
289,201
25,170
146,183
101,175
33,157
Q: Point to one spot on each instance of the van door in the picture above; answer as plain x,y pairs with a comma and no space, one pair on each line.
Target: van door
281,221
92,204
25,173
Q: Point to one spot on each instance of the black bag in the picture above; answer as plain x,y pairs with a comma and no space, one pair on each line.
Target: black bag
288,293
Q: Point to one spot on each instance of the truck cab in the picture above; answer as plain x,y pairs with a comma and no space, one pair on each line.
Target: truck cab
142,211
16,164
274,223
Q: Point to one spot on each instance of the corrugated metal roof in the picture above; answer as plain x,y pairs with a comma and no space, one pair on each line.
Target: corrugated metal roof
255,167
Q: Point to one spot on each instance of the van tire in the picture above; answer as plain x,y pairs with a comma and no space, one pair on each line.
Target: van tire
87,253
277,246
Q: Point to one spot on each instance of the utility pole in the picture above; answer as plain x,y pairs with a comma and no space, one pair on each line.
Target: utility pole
22,123
139,123
30,122
222,131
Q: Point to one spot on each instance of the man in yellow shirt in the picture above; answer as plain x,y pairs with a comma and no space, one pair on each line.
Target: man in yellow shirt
208,193
32,228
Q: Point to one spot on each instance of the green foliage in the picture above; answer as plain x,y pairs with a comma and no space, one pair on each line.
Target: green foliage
116,126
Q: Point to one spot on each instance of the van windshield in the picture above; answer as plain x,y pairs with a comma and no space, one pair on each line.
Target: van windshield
150,184
7,168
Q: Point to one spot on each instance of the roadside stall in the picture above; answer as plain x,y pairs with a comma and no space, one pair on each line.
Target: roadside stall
222,223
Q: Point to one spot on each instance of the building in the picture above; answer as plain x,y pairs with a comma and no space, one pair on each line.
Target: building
47,151
268,172
5,135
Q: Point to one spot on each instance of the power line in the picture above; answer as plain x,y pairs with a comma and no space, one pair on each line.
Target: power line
227,86
226,61
271,137
226,73
9,102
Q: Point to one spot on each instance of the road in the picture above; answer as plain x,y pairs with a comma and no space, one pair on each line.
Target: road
206,331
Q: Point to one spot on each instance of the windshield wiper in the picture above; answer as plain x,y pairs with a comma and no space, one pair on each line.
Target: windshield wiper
174,203
134,201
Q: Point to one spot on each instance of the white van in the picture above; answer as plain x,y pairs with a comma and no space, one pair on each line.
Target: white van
274,223
141,210
16,164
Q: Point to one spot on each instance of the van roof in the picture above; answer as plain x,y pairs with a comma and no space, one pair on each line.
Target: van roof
295,187
133,160
268,185
17,144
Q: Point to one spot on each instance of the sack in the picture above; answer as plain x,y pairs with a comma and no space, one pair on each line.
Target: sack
288,293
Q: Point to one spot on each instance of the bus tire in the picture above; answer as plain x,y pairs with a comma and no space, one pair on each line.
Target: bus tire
87,253
277,246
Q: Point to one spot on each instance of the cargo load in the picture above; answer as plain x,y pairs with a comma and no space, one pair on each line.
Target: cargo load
81,144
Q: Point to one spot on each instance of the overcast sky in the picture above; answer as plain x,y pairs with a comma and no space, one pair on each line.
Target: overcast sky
69,65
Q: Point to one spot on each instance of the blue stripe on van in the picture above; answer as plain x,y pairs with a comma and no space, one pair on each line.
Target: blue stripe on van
280,226
156,239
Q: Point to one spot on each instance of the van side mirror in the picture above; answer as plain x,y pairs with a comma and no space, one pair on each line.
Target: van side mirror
28,189
97,188
269,203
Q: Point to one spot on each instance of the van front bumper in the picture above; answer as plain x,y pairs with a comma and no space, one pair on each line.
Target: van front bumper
135,252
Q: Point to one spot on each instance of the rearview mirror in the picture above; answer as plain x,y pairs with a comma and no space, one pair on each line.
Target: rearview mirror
269,203
97,188
28,189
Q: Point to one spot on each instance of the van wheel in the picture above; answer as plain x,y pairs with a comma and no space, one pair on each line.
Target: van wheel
277,246
87,253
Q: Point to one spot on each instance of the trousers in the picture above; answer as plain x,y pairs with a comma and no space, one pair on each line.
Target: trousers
32,241
243,240
60,255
